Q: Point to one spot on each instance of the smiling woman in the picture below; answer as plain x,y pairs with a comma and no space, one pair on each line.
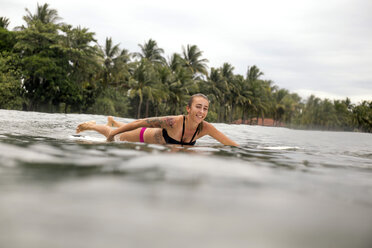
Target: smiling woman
183,130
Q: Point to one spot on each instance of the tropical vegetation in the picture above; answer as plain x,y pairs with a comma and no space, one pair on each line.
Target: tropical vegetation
47,65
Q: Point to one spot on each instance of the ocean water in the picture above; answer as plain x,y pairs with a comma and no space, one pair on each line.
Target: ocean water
280,188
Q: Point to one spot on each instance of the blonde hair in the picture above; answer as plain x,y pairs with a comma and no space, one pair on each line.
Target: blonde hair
196,95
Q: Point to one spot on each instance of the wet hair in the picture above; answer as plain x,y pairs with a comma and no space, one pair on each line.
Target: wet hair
196,95
191,100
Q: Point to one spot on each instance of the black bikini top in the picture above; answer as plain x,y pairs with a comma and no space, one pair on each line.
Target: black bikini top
170,140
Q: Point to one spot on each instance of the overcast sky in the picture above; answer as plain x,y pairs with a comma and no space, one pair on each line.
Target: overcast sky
306,46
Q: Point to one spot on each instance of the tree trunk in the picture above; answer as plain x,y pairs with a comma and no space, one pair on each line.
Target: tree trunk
219,114
147,108
139,109
243,115
156,109
225,113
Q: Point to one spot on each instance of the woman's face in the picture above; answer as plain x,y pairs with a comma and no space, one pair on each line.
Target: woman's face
199,109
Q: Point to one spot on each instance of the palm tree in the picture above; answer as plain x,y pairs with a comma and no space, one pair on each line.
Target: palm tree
179,83
290,103
279,108
142,83
230,88
240,96
112,55
43,14
296,106
151,52
253,73
164,78
175,62
258,105
4,22
362,116
244,99
328,116
83,57
311,112
220,88
348,104
192,59
180,89
344,113
214,82
44,62
256,87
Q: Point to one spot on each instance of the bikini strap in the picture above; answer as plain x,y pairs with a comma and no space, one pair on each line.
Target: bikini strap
183,130
194,134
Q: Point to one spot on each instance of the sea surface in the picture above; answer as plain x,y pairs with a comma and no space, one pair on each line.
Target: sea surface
280,188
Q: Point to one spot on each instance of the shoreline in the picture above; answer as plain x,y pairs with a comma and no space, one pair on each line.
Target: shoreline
268,122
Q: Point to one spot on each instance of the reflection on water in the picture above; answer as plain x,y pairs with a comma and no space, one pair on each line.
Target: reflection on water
281,188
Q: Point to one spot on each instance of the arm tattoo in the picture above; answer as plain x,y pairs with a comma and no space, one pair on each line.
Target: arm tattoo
155,122
160,122
170,121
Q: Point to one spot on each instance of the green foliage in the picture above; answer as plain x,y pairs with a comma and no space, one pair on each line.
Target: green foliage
336,115
4,22
10,83
44,14
10,92
151,52
7,40
193,61
362,116
104,106
111,102
211,117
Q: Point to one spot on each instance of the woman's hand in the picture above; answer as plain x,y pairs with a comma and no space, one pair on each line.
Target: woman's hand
213,132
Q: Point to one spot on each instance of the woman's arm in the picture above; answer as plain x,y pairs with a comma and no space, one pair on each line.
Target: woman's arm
213,132
159,122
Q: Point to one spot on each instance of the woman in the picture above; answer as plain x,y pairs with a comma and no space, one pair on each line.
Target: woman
183,130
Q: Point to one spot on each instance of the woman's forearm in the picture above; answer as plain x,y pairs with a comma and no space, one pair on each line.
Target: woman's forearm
159,122
222,138
230,142
128,127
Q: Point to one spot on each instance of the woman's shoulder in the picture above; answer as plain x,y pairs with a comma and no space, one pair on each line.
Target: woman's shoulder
172,120
163,121
207,126
172,117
